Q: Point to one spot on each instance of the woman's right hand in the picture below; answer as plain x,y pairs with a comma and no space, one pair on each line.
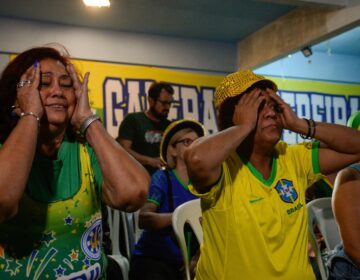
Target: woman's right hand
28,96
246,110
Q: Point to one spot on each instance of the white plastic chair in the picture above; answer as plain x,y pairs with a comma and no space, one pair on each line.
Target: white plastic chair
189,212
128,226
320,213
115,235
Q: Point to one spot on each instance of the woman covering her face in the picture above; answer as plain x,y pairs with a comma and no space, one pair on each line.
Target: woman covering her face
52,184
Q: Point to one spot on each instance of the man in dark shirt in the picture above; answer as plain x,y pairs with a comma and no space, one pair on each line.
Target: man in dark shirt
140,133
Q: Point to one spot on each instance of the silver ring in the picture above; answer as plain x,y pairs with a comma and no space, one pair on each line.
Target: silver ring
23,83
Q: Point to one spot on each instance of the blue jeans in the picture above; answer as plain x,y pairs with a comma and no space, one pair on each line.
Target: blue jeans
340,266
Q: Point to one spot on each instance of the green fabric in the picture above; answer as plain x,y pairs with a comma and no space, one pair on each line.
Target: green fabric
315,156
48,177
50,240
267,182
144,133
177,177
323,188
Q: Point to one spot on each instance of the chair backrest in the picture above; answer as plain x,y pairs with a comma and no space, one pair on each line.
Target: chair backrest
320,213
123,262
189,212
128,225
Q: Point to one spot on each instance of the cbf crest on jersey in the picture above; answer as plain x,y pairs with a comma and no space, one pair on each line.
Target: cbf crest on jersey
286,190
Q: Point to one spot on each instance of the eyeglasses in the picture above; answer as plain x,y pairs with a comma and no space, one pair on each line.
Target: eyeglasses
186,142
165,102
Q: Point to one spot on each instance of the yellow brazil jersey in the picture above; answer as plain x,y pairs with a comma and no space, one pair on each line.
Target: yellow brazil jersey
256,228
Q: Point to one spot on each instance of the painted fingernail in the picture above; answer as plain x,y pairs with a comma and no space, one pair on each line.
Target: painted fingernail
36,64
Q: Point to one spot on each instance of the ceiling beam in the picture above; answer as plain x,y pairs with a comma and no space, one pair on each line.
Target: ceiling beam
291,32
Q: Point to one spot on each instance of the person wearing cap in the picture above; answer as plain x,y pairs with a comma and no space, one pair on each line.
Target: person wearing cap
345,264
252,185
157,254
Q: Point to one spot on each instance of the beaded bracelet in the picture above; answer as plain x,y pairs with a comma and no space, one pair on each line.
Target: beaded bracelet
86,123
311,129
24,114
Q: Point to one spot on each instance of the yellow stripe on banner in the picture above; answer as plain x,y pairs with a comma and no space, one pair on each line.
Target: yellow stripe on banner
99,71
316,86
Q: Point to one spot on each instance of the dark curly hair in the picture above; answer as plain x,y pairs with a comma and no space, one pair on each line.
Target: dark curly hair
226,111
11,76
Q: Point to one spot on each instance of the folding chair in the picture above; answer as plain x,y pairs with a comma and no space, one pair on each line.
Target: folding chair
123,262
320,213
128,226
189,212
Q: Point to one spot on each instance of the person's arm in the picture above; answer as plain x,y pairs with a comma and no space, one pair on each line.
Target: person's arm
143,159
18,151
151,220
346,207
339,144
205,156
125,181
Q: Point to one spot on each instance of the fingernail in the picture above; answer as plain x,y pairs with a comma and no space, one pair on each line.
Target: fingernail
36,64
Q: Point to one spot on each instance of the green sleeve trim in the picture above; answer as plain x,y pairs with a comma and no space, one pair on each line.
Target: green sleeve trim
173,171
153,201
315,157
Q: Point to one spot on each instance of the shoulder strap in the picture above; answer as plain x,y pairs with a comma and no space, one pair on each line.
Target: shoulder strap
170,193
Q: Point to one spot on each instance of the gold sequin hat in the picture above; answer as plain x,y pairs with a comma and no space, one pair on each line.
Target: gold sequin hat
235,84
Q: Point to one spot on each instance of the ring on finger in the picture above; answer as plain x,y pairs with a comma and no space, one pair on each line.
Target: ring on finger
23,83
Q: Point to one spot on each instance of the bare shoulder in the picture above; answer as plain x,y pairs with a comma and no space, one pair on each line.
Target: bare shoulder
347,174
347,187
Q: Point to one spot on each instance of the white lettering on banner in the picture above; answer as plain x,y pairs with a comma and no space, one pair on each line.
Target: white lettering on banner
320,107
121,97
190,105
208,110
113,97
302,104
135,103
188,102
175,112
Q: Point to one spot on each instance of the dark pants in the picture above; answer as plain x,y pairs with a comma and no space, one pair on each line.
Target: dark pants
341,267
146,268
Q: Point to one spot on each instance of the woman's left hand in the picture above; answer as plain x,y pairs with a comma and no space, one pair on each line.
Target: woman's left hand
82,109
288,117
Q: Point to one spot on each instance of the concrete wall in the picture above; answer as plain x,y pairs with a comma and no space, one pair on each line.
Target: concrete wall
122,47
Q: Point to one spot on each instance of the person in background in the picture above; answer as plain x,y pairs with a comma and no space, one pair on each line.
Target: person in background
157,255
140,132
53,179
252,185
345,263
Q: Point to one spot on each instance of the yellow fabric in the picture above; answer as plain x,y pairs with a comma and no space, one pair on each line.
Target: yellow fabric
250,232
62,238
235,84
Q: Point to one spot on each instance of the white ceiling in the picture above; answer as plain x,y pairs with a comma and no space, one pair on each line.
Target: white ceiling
215,20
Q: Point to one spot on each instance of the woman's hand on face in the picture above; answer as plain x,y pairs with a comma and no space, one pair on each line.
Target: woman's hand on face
246,110
82,109
28,95
287,115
